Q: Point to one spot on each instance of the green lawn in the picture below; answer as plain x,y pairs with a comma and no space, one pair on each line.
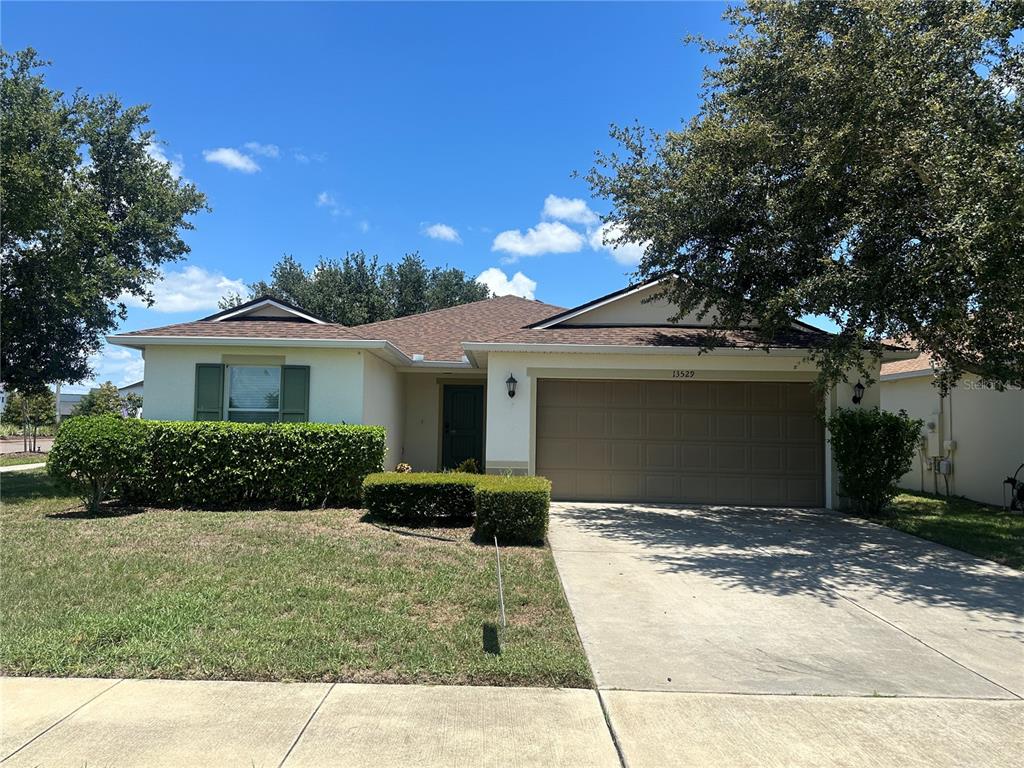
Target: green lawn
12,459
962,524
268,595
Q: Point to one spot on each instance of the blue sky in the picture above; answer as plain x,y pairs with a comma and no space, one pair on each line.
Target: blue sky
314,129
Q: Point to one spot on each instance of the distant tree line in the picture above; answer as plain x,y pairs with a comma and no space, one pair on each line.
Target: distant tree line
358,289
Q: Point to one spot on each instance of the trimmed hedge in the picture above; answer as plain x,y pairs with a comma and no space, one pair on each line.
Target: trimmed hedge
420,497
515,509
92,457
215,464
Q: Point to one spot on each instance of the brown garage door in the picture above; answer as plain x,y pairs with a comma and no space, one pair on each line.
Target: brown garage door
708,442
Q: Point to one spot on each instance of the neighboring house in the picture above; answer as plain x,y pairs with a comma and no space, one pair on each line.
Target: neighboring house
609,400
67,402
131,389
973,438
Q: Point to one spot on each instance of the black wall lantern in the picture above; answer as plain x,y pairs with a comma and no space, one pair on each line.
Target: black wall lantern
511,382
858,392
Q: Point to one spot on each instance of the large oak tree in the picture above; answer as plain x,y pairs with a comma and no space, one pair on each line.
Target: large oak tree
858,159
88,213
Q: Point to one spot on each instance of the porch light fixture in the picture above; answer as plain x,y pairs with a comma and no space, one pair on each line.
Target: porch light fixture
510,384
858,392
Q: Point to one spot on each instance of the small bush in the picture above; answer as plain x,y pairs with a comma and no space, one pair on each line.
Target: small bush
96,457
420,497
469,467
219,464
515,509
872,449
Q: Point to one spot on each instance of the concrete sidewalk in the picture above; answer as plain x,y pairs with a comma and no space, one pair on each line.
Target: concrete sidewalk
51,721
22,467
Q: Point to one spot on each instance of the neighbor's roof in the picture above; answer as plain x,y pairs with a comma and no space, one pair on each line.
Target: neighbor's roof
922,364
438,335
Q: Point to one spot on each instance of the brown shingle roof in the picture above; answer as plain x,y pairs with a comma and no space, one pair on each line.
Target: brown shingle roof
648,336
923,363
251,329
437,335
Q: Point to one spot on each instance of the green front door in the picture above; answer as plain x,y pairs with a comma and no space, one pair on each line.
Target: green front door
462,427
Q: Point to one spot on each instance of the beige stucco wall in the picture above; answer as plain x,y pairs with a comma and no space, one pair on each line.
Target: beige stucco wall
637,309
421,445
335,379
384,404
986,425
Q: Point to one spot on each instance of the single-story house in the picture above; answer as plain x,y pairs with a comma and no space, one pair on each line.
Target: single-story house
610,400
973,438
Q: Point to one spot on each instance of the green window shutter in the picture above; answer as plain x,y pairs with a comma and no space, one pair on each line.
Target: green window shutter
209,392
295,393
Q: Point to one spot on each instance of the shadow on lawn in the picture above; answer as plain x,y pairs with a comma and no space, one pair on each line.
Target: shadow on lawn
108,510
790,551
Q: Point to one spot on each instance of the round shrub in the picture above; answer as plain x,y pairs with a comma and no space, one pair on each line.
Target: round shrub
872,449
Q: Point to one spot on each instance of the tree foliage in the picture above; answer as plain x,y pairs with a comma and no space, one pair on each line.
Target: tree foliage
87,215
357,289
107,400
858,159
38,409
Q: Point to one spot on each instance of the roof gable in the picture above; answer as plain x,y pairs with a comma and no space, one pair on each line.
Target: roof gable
265,308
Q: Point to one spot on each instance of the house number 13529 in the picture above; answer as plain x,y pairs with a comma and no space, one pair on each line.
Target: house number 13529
683,374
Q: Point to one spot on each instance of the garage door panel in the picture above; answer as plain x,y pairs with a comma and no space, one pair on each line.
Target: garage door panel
696,457
731,426
592,424
660,424
592,394
627,424
765,426
696,426
594,454
731,458
661,394
625,485
801,427
765,396
696,395
751,443
626,454
661,486
731,394
767,458
560,422
660,456
557,452
594,486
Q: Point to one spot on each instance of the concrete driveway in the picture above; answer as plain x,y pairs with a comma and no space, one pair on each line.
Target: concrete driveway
696,613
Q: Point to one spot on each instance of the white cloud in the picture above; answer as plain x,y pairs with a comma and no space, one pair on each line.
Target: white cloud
301,156
117,364
604,239
191,289
546,237
568,209
330,202
156,152
231,159
501,285
364,226
266,150
442,232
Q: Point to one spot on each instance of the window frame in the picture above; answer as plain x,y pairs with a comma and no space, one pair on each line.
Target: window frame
227,393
